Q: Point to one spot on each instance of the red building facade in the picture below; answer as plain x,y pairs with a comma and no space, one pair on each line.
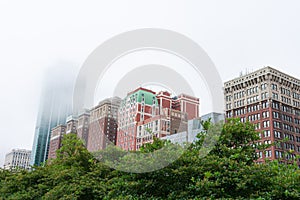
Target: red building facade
55,141
143,114
103,124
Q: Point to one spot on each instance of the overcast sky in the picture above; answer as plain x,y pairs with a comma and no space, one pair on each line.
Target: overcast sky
36,35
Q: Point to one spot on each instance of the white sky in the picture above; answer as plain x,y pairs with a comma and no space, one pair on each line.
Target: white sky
35,35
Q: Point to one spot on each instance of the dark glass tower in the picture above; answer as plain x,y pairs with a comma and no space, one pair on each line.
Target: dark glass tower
55,106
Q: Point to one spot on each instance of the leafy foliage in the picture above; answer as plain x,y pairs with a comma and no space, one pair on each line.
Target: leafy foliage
228,171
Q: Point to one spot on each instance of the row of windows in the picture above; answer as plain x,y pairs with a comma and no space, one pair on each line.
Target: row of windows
285,91
289,136
263,86
274,95
265,114
296,103
287,156
239,95
239,103
286,100
240,111
296,95
287,127
254,117
228,98
265,133
276,124
274,87
252,99
264,95
252,90
267,153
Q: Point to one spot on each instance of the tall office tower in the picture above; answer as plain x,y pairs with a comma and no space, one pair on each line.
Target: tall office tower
83,126
103,124
57,134
17,158
143,113
269,99
55,106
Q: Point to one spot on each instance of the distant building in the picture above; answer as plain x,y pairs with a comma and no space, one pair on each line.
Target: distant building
96,127
17,158
214,117
270,99
129,123
55,106
193,128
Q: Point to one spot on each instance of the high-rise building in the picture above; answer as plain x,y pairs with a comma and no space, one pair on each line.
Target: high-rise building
139,105
102,129
270,99
144,114
55,106
17,158
96,127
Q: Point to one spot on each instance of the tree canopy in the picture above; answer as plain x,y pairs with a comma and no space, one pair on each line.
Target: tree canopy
228,171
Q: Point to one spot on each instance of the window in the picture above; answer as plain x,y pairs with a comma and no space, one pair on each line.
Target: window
266,124
267,133
277,134
276,115
276,124
265,114
265,104
259,154
278,154
268,153
274,87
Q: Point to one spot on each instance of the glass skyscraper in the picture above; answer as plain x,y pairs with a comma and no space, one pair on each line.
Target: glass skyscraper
55,107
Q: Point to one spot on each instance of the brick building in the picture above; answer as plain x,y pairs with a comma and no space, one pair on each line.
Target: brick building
143,113
83,126
269,99
57,134
103,124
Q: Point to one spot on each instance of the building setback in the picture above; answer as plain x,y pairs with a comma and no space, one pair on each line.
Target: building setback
269,99
17,158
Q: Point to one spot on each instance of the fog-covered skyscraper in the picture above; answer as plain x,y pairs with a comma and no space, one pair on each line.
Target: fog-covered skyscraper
55,106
